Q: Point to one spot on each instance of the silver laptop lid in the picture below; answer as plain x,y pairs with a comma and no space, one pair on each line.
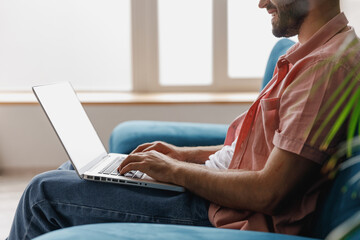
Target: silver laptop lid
71,124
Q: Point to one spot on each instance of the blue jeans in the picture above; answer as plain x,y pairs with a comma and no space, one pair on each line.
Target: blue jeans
59,199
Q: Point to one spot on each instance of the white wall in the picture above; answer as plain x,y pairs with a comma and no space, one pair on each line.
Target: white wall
351,9
28,141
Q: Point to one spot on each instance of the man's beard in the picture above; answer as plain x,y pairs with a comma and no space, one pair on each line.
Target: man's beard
290,16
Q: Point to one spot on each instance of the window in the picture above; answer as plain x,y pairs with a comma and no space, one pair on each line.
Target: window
137,45
186,47
86,42
185,42
250,39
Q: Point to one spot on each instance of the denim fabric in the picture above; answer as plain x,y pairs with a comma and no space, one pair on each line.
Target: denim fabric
59,199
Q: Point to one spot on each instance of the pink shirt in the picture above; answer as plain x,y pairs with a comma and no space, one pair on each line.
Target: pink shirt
288,114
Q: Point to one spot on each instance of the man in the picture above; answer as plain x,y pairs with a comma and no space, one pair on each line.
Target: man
268,167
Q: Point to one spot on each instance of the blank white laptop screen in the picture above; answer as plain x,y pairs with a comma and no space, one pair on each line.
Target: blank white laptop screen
71,123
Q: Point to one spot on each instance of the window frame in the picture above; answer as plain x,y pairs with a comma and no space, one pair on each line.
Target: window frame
145,53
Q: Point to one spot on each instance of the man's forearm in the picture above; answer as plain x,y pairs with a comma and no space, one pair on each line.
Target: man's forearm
200,154
260,191
263,191
234,189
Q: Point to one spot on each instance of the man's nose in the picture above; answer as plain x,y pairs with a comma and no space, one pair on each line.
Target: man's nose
263,3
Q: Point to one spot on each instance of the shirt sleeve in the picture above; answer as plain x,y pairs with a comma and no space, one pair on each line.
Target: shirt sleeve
304,107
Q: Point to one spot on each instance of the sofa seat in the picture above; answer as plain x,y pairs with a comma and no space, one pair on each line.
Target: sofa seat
129,231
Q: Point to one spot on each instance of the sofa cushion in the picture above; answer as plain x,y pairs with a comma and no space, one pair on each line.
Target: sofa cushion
134,231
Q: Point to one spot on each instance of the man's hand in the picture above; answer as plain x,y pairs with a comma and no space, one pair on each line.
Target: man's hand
184,154
155,164
178,153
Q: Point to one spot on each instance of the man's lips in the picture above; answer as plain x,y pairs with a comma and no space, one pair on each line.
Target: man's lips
272,11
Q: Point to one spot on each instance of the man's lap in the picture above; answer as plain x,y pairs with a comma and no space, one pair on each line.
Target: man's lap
79,201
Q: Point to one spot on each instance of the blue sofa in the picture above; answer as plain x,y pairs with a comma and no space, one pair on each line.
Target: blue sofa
338,212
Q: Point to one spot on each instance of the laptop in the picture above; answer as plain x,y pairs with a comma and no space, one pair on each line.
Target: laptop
81,142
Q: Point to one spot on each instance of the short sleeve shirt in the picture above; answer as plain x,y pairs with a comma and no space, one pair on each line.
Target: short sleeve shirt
295,112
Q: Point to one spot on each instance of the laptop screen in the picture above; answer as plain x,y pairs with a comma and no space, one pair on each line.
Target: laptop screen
71,123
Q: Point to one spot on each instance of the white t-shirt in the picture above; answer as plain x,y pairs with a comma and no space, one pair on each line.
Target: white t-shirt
222,158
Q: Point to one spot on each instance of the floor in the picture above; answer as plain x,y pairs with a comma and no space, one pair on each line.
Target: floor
11,188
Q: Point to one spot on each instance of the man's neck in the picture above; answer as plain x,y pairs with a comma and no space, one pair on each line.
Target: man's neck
318,16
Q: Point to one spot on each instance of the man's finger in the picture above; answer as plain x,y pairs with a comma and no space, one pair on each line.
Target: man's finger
130,158
149,148
129,167
141,148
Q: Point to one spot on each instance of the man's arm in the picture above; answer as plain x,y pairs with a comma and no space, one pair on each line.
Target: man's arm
185,154
260,191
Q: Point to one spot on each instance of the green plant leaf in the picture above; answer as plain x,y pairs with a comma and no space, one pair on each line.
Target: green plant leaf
340,120
336,94
340,62
337,106
353,122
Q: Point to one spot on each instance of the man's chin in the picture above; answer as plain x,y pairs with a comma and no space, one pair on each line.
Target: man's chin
277,32
286,34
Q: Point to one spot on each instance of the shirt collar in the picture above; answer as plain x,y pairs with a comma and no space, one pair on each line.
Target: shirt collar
324,34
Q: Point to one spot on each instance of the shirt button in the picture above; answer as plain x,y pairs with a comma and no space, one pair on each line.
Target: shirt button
282,62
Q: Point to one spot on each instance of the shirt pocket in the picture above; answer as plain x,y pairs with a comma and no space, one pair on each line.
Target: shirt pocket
270,119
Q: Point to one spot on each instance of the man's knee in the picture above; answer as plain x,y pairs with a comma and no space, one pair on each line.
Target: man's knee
66,166
35,185
38,188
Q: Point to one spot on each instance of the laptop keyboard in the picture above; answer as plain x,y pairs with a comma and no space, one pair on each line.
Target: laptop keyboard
111,169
